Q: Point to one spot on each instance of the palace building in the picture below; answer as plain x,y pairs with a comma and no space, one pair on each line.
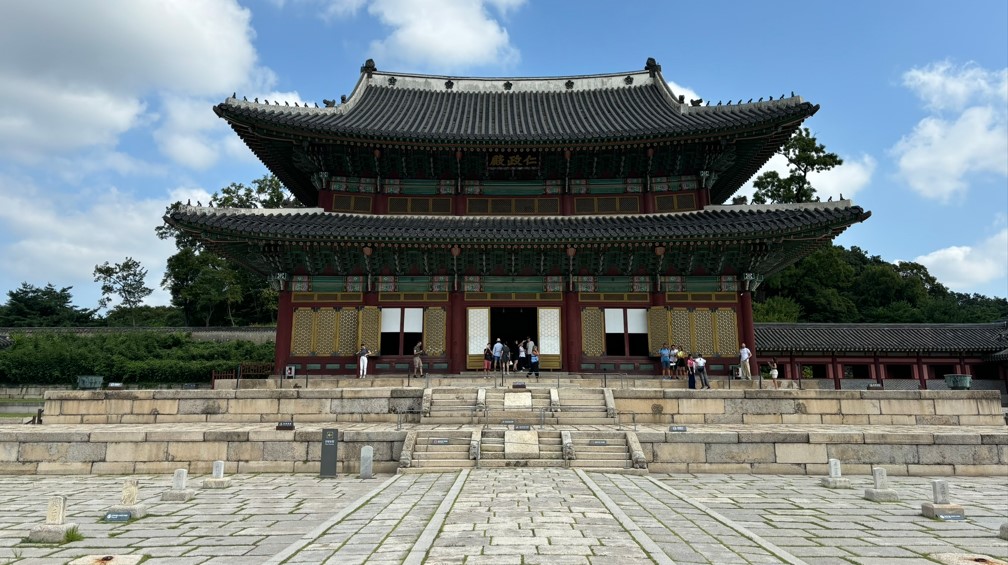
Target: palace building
586,212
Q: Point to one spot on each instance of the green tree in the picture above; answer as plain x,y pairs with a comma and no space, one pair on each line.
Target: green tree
777,309
29,306
805,155
124,279
211,290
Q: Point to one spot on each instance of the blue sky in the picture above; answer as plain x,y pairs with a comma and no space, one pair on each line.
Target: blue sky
105,105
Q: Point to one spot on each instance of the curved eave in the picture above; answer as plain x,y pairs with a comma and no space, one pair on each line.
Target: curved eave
868,339
712,226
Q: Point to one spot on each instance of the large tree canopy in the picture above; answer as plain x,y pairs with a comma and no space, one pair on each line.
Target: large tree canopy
29,306
212,290
804,155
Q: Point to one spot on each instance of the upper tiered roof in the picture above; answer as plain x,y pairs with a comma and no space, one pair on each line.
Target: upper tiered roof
637,106
630,112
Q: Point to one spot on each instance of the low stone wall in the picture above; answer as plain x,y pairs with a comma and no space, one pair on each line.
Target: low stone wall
937,451
239,406
834,407
123,450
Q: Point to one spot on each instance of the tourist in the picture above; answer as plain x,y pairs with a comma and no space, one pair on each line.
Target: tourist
505,359
522,357
362,355
417,361
498,349
666,359
691,383
744,370
700,367
487,358
681,362
673,361
534,362
773,372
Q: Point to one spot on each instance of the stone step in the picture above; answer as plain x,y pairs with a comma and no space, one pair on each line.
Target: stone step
504,463
601,464
440,455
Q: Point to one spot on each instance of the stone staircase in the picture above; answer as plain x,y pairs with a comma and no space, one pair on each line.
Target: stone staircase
585,406
604,451
437,451
534,406
493,452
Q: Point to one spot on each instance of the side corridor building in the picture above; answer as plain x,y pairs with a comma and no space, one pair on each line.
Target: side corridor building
586,212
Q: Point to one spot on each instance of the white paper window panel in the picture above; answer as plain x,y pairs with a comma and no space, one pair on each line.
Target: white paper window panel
390,319
413,320
614,320
479,329
549,331
636,321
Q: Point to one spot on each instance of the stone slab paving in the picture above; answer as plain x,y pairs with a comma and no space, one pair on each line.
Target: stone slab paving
519,516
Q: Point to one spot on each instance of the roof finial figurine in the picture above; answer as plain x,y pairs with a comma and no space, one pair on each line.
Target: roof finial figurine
792,94
234,94
316,104
188,202
286,103
245,98
749,102
329,103
257,100
760,99
198,203
830,199
342,99
841,196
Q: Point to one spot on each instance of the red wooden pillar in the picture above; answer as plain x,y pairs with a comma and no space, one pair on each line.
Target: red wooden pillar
746,329
571,332
284,330
457,332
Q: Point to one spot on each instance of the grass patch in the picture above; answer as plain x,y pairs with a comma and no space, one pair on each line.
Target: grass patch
72,535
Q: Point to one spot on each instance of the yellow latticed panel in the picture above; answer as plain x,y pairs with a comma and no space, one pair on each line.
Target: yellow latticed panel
592,332
434,325
727,332
301,332
325,333
658,328
347,335
681,334
703,321
370,328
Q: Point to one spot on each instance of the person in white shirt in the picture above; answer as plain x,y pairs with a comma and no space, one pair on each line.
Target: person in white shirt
700,369
745,372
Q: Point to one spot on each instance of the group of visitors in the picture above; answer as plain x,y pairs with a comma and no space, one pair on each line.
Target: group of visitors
499,357
677,363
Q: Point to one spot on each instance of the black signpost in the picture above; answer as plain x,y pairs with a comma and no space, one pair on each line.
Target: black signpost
330,449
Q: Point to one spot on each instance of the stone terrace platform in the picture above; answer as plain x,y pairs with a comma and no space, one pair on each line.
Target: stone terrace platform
742,430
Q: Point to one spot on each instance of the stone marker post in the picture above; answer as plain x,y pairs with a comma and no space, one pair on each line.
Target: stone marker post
217,480
367,462
178,492
942,508
881,492
834,480
1004,531
55,527
128,500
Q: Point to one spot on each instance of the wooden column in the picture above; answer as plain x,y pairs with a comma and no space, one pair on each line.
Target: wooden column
571,332
746,329
284,330
456,332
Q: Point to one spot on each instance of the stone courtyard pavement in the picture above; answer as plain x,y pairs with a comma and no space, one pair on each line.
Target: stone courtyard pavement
509,516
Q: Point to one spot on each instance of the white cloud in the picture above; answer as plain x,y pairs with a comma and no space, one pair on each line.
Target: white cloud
964,267
689,93
845,180
442,34
965,135
65,238
85,74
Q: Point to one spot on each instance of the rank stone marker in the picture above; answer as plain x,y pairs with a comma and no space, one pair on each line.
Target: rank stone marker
217,480
127,507
941,508
882,492
834,480
178,492
1004,531
367,462
55,527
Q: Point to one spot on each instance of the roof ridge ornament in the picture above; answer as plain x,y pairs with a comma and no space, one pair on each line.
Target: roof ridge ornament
628,80
368,67
449,84
508,85
652,67
569,84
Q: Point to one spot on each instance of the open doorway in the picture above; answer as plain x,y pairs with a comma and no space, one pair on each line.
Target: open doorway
513,325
